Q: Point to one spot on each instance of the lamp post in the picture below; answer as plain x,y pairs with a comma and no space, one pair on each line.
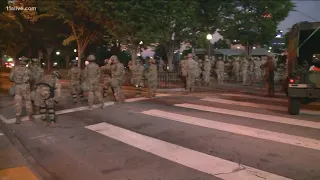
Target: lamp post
209,37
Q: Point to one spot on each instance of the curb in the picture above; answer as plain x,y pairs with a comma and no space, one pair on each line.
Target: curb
39,171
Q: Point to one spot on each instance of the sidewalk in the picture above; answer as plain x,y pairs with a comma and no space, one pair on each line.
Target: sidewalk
13,166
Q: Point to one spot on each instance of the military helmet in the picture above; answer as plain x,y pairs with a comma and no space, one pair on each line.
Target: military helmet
56,74
35,60
114,58
23,60
91,57
219,58
138,61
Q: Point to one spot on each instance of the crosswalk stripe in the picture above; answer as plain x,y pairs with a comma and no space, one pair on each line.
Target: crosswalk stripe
237,129
256,97
247,104
181,155
255,105
257,116
144,98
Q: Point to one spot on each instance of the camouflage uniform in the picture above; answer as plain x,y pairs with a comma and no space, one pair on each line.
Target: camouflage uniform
192,73
37,73
236,69
257,69
117,75
152,77
47,95
21,76
206,70
244,70
269,76
106,71
220,70
92,82
75,75
37,77
137,76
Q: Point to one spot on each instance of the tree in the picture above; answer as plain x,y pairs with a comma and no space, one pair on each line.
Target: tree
84,18
133,24
254,22
221,44
13,39
187,21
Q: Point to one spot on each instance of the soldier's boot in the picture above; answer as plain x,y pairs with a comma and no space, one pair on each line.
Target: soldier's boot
75,99
18,120
43,113
52,116
105,93
81,97
138,89
36,110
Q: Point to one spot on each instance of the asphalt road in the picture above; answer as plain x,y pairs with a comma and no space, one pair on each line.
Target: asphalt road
177,136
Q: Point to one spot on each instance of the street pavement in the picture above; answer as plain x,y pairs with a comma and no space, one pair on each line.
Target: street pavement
231,135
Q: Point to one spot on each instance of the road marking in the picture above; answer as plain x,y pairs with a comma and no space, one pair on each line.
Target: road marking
255,105
256,97
257,116
41,136
181,155
237,129
82,108
263,93
65,111
144,98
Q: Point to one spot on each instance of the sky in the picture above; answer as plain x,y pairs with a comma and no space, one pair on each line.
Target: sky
305,11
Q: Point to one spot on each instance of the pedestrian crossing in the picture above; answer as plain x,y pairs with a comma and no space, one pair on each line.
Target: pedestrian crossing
207,163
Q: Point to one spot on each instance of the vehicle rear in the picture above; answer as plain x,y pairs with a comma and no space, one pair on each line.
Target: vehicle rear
304,50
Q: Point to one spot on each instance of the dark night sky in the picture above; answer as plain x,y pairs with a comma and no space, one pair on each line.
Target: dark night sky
304,9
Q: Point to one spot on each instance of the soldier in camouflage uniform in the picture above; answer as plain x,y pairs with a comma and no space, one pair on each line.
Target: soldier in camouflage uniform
37,76
152,77
92,78
192,73
37,73
206,71
47,95
22,76
117,76
236,69
106,72
137,76
220,70
75,75
244,70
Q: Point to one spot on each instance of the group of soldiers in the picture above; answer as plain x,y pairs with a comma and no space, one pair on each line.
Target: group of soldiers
239,69
40,93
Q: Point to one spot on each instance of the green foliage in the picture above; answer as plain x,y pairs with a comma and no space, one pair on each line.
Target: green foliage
221,44
247,23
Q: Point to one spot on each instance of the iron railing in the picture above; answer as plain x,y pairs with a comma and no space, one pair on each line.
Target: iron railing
169,80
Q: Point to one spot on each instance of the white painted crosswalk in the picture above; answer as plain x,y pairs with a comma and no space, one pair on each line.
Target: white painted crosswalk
187,113
207,163
187,157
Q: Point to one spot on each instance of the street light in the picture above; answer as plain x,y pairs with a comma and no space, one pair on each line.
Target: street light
57,53
75,50
140,42
209,37
254,47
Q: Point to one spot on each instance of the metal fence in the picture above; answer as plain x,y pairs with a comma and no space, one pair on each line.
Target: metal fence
169,80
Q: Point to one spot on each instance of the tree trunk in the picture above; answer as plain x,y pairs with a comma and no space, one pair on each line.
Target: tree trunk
67,61
248,50
170,51
49,53
79,50
134,53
